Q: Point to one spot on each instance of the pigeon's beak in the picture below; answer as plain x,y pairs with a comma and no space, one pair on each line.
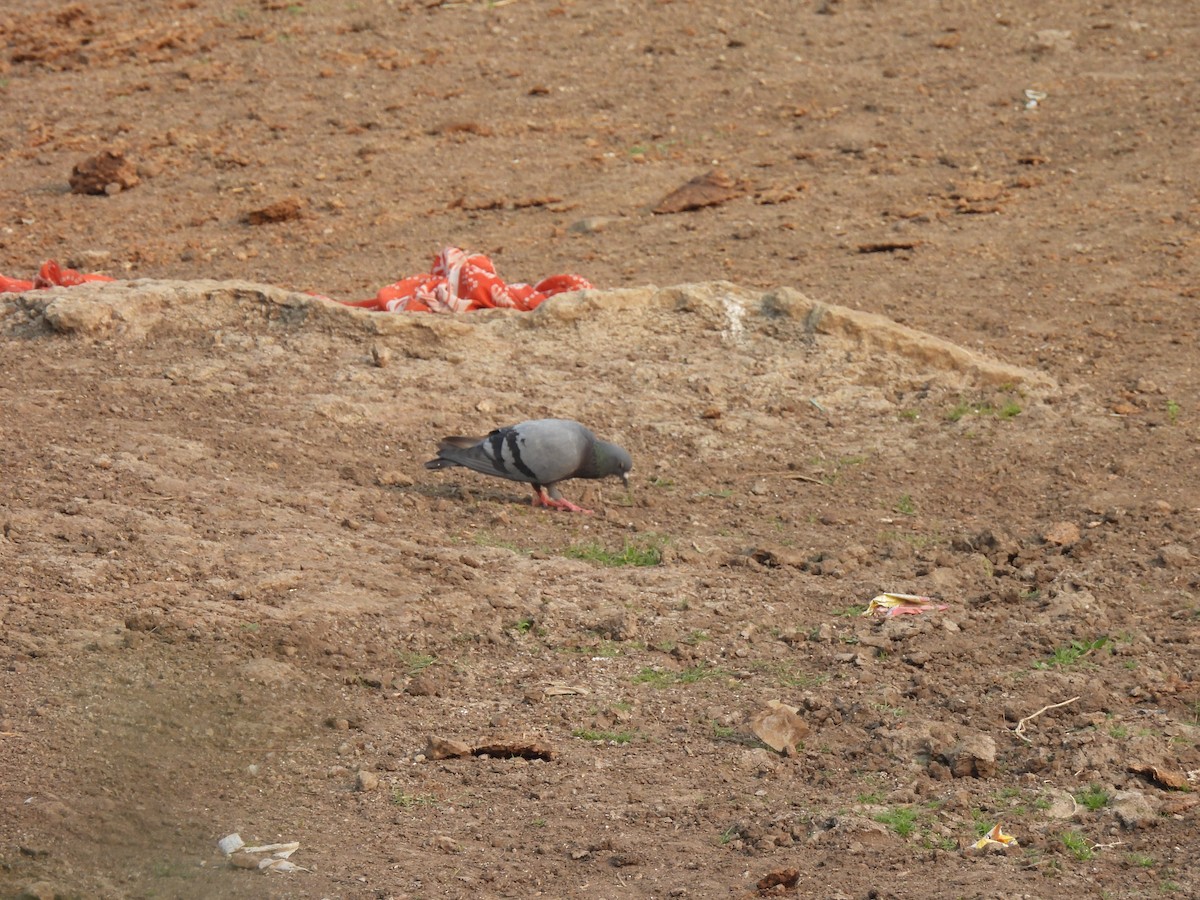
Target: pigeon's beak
625,479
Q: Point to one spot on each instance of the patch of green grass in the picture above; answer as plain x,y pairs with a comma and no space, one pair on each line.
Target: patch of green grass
661,679
901,820
1141,860
984,820
1009,409
723,732
647,553
911,414
1077,845
692,674
607,648
962,409
905,505
1069,655
411,801
539,822
414,662
1172,411
654,677
786,674
594,734
854,609
524,625
1120,732
1092,797
941,843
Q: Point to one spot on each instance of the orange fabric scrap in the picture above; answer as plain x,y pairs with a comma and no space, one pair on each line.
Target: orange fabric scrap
889,604
50,275
457,282
996,837
461,282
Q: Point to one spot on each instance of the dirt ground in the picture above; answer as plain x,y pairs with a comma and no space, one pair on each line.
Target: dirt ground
937,335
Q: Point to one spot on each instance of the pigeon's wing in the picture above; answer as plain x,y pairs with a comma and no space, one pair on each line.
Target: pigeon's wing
541,451
550,450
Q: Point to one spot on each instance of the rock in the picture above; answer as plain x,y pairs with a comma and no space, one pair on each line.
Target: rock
1171,779
973,756
74,314
711,189
1133,810
1062,534
446,748
1052,40
779,727
365,781
591,225
1175,556
621,627
783,878
822,634
105,173
395,478
285,210
421,685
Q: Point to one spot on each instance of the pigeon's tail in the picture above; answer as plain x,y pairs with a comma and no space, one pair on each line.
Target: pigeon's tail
447,448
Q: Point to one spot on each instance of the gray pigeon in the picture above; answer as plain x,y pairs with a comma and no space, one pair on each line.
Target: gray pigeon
541,452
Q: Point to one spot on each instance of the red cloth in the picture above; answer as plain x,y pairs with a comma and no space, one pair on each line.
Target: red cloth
51,274
457,282
461,282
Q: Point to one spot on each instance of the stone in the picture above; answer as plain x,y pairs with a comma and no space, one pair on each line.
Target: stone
1062,534
973,756
1133,810
779,727
446,748
1175,556
107,173
622,626
365,781
421,685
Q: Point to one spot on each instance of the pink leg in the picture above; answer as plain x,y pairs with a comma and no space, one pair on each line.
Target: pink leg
542,498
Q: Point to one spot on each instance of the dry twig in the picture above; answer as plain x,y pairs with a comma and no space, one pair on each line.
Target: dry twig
1019,731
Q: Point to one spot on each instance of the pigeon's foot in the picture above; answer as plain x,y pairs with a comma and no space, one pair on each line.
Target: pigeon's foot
541,497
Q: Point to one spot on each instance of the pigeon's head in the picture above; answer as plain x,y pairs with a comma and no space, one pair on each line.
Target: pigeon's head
612,459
